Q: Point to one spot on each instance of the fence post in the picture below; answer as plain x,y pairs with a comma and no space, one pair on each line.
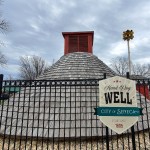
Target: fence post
107,132
1,84
132,128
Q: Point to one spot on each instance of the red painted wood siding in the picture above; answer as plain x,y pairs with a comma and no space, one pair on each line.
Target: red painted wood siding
144,90
78,42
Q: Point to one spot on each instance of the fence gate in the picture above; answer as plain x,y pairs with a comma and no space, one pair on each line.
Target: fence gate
49,115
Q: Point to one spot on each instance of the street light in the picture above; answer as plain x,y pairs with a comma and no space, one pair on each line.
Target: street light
128,35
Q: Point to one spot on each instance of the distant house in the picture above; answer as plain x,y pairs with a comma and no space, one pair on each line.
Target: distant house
11,90
142,88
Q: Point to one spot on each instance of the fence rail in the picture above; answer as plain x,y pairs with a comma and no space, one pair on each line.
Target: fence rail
45,114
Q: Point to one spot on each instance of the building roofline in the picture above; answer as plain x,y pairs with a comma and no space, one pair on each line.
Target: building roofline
78,32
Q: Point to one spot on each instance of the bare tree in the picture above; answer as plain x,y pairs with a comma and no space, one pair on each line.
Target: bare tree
141,69
119,65
31,67
4,26
3,60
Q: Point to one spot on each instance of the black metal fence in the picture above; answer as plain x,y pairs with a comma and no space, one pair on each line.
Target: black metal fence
59,114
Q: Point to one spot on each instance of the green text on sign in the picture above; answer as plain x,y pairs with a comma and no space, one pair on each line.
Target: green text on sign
118,111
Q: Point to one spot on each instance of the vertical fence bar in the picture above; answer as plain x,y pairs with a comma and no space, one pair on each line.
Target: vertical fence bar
1,87
147,107
139,95
91,118
1,83
107,132
12,115
80,114
132,128
147,114
59,114
17,117
86,110
28,113
65,111
70,117
44,111
75,116
49,113
22,102
5,139
97,119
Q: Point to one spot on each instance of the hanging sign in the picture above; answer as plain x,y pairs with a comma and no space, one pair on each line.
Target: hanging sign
117,103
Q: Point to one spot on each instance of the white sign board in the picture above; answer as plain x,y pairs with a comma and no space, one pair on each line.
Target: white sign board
117,103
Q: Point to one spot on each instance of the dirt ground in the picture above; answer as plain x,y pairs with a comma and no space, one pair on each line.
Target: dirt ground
121,143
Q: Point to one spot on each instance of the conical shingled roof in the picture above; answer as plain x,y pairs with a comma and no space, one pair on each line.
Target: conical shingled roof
78,65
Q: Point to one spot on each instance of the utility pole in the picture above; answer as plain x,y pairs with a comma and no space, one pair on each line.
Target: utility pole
128,35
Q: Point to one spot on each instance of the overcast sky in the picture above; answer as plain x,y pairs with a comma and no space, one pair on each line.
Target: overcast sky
37,25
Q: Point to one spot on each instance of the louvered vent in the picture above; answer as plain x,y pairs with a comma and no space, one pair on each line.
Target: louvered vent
73,43
78,42
83,43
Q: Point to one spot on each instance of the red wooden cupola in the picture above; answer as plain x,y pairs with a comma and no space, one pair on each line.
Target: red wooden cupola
78,42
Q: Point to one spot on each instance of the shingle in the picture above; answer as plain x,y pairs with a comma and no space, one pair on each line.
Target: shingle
78,65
